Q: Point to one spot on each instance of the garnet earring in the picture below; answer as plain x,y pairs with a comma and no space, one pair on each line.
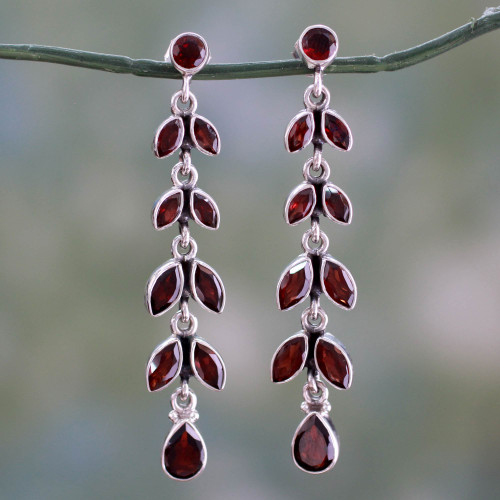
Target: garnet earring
185,354
315,445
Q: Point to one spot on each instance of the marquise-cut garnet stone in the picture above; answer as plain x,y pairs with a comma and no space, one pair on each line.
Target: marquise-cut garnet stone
338,284
169,138
184,453
337,204
208,288
169,210
189,51
163,367
208,366
301,205
166,290
300,133
337,131
333,364
206,136
289,359
319,44
204,210
313,448
295,285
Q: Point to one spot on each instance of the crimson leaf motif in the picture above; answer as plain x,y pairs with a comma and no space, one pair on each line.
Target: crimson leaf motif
168,208
204,135
295,283
164,364
207,365
164,288
336,131
168,137
337,283
333,361
300,203
206,287
299,132
289,359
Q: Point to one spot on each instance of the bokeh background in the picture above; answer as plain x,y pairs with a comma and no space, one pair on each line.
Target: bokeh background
77,181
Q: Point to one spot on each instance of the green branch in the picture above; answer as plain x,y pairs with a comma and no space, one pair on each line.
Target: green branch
489,21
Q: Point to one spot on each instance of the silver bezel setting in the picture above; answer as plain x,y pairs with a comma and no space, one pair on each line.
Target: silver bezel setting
197,262
301,187
158,203
199,340
181,69
331,339
313,63
325,210
195,140
212,202
153,279
301,258
329,258
171,340
300,334
292,123
158,131
325,137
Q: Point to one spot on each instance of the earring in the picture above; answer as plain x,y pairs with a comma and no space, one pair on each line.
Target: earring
184,354
315,445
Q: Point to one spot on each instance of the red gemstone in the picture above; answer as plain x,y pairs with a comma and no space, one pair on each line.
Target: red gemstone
204,210
336,204
300,133
319,44
208,366
169,210
163,366
289,359
205,136
184,453
336,132
169,137
338,284
315,447
208,288
333,364
301,205
295,284
166,290
189,51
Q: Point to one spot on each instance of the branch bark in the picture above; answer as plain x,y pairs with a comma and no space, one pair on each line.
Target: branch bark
489,21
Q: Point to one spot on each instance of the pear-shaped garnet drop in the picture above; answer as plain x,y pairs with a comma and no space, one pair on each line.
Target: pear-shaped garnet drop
336,131
205,136
168,137
204,210
336,204
333,362
168,208
295,283
164,288
300,132
207,287
189,51
289,358
319,44
164,365
184,453
315,447
338,284
208,366
300,204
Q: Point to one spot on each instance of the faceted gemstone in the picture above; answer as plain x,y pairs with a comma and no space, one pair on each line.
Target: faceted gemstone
336,204
184,453
289,359
189,51
206,136
169,209
315,447
338,284
208,288
169,137
295,284
301,132
333,364
163,366
208,366
301,205
204,209
166,289
336,132
319,44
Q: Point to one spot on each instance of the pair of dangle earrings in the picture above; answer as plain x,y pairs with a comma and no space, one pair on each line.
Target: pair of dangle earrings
184,354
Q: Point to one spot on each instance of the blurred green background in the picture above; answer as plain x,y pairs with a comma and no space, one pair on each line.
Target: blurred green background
77,184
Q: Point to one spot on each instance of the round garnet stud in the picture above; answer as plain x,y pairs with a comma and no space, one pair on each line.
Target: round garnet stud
189,52
319,44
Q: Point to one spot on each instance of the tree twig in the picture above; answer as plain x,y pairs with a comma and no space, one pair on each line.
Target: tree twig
489,21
